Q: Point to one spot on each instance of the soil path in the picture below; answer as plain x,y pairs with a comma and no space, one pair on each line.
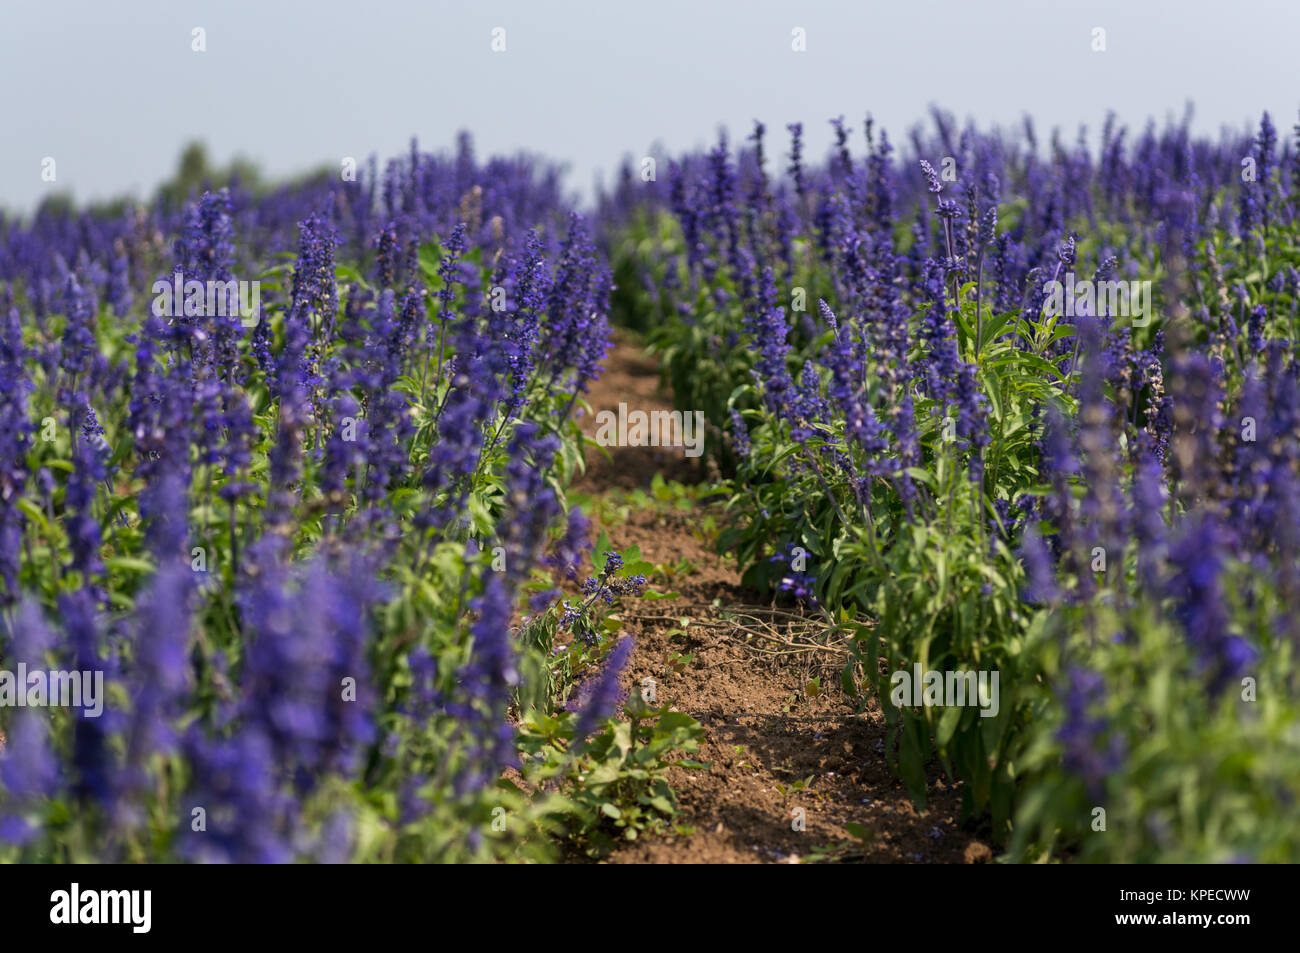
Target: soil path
764,731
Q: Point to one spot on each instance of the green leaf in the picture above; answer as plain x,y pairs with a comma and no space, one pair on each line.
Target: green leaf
948,722
129,564
660,804
910,766
859,831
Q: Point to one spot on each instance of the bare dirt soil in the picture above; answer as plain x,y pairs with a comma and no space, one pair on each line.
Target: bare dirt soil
765,730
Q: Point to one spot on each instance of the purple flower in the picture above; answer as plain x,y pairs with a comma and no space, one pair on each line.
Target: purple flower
29,767
157,681
313,274
15,439
247,815
796,157
79,346
600,696
1092,751
568,553
1197,559
739,433
305,681
1040,570
931,178
96,775
771,332
485,688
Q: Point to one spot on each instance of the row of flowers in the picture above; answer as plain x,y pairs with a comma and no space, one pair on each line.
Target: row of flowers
1097,500
297,543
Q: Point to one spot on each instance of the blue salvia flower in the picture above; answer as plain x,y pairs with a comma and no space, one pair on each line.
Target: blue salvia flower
796,157
939,335
592,351
307,637
410,320
568,553
600,697
1265,143
883,191
723,216
79,346
1197,419
207,253
313,274
988,226
902,424
842,154
91,431
571,615
680,200
157,681
531,504
247,814
799,583
809,410
345,451
486,685
286,455
931,178
15,439
1102,508
1040,570
388,256
1067,253
120,296
29,765
450,274
608,588
1197,559
1059,465
232,433
520,329
771,332
96,775
1091,751
469,407
81,523
206,248
1147,519
1258,317
577,333
972,417
739,434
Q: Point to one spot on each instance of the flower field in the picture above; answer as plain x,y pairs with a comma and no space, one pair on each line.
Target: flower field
334,526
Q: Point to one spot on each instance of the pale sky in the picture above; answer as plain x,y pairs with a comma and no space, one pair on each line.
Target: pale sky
111,89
